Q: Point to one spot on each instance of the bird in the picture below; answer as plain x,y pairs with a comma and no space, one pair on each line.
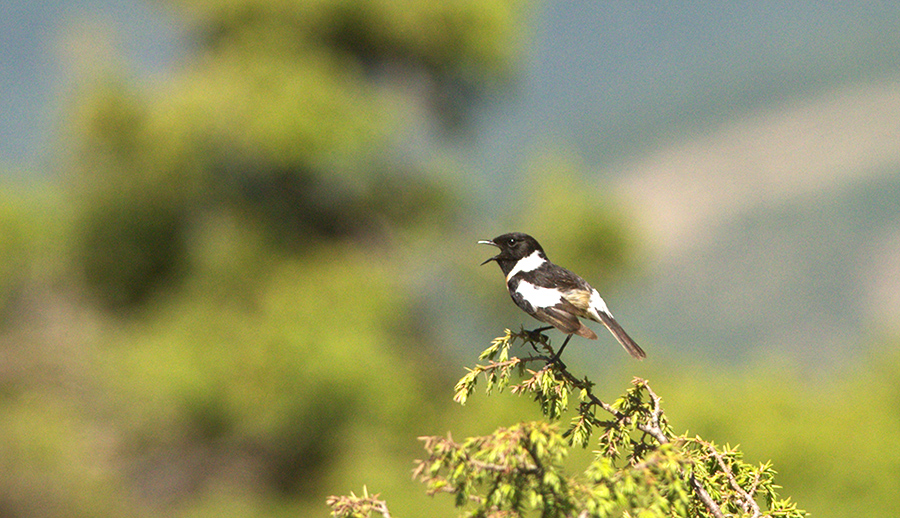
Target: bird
553,294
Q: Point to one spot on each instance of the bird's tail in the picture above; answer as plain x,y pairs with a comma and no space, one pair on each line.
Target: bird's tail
633,349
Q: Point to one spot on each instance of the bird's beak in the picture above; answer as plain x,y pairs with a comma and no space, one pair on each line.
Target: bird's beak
490,258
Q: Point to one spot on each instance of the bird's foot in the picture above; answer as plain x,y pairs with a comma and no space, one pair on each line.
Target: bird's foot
535,336
556,355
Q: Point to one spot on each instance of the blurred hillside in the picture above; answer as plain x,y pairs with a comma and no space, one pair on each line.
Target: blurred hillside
787,242
237,259
717,124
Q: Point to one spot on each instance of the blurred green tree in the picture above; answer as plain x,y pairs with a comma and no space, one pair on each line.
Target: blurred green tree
232,323
284,112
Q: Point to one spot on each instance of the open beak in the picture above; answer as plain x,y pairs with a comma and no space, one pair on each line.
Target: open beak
490,258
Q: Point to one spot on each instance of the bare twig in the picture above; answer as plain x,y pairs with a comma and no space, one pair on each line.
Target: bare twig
653,428
704,497
749,503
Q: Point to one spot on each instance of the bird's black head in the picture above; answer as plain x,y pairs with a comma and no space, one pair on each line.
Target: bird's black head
513,246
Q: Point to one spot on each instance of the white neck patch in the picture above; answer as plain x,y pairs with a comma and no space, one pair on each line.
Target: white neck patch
527,264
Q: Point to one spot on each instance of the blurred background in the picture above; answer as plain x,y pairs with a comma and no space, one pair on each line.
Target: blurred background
238,269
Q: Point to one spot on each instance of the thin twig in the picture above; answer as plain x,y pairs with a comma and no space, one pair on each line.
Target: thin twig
749,502
704,497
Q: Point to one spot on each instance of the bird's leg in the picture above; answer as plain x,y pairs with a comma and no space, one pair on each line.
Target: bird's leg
555,357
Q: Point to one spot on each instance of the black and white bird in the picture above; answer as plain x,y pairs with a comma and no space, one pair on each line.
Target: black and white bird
552,294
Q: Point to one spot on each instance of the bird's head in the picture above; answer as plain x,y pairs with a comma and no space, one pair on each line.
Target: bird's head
513,246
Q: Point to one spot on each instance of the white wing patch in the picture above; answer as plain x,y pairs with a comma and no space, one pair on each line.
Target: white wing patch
538,297
598,305
527,264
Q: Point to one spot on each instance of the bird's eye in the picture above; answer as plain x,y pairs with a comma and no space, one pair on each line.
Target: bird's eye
511,241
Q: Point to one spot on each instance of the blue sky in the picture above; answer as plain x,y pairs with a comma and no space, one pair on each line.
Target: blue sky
37,40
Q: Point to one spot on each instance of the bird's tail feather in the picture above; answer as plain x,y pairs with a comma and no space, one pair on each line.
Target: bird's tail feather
586,332
633,349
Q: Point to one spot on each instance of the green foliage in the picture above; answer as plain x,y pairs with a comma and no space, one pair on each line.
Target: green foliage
129,250
641,467
285,113
358,506
48,465
805,424
14,249
243,384
518,467
248,212
35,230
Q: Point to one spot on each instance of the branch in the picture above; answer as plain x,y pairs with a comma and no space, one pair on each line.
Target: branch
437,443
653,425
357,506
704,497
654,428
521,467
749,503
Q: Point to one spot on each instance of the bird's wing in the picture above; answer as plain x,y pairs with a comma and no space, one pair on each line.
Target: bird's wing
553,276
580,299
563,316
